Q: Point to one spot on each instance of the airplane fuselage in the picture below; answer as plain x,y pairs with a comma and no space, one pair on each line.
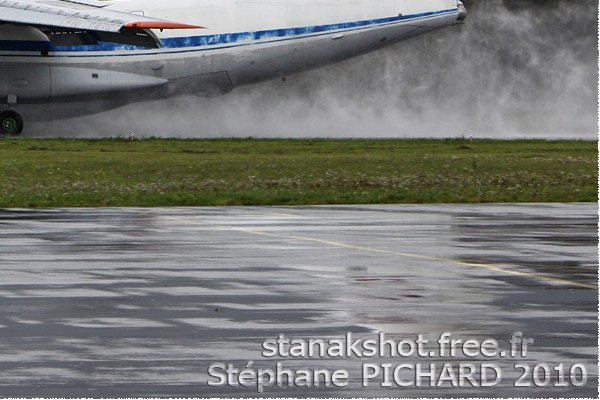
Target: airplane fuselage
58,73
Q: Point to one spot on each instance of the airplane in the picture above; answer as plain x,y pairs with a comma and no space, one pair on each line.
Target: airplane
67,58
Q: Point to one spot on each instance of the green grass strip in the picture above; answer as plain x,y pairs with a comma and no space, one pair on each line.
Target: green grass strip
172,172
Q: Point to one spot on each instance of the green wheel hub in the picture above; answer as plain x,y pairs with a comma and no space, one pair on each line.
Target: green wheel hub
10,125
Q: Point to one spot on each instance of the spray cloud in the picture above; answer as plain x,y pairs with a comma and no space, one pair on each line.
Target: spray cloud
515,69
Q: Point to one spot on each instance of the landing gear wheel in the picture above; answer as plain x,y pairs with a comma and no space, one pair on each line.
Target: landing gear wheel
11,123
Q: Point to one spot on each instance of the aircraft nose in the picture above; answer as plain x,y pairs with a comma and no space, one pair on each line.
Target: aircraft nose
462,11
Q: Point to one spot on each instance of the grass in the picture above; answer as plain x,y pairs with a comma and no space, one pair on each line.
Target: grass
171,172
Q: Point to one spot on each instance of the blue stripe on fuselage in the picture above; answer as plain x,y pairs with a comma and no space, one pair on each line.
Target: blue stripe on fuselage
216,40
227,38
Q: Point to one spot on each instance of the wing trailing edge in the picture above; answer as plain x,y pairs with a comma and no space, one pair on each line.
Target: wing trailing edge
78,14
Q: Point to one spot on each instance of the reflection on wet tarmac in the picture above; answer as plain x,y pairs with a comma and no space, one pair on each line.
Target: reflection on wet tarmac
141,302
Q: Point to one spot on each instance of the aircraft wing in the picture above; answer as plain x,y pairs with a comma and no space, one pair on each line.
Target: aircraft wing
89,15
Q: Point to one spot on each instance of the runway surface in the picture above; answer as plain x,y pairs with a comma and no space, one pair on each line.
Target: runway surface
158,302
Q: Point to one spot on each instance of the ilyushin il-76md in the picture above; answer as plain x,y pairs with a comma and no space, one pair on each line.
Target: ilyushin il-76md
67,58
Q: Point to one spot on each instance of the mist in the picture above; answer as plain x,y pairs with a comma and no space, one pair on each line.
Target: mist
516,69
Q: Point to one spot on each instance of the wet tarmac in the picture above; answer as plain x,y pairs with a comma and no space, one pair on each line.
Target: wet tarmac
159,302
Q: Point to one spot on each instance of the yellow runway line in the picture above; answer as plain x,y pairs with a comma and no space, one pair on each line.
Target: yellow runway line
422,257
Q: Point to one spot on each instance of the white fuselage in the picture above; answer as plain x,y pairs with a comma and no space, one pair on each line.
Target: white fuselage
244,41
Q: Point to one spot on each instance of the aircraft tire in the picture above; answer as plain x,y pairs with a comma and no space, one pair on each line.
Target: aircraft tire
11,123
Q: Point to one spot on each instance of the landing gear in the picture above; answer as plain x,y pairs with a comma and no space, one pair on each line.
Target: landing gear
11,123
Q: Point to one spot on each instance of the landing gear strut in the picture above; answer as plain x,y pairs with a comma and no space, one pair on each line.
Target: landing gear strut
11,123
